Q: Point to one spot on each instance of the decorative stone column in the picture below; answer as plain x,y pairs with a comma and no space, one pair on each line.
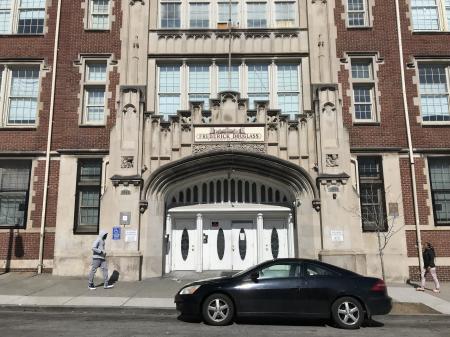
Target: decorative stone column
200,243
291,250
260,236
168,243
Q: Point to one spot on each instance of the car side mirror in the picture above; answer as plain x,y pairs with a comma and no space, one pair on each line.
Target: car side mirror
254,276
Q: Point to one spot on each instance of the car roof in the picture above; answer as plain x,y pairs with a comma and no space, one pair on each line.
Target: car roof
302,260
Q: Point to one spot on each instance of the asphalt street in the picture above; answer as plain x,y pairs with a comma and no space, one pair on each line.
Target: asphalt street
126,324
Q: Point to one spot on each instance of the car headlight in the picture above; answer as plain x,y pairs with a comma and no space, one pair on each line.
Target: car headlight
189,290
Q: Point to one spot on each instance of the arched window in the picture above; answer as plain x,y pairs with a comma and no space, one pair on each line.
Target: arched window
247,192
218,191
270,192
240,190
263,193
181,197
233,190
188,195
254,196
204,193
277,196
211,192
225,191
195,194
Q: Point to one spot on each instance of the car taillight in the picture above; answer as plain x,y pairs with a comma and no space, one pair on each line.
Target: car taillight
379,286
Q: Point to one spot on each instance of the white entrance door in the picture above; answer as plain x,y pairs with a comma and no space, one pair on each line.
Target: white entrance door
184,245
244,245
275,239
217,245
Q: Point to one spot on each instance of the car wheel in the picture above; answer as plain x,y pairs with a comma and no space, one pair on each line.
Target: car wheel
218,309
347,313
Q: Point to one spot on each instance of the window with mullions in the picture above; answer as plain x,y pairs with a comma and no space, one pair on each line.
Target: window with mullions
89,179
228,80
430,15
258,83
256,14
94,92
357,13
22,16
14,192
19,91
434,96
288,89
363,85
170,14
372,194
224,12
198,15
440,189
99,14
199,84
284,13
169,89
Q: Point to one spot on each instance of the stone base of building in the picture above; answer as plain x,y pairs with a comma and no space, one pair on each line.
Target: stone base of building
351,260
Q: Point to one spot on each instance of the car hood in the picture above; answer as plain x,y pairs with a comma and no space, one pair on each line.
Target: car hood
213,280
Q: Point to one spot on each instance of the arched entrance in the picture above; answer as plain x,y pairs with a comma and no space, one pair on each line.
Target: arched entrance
227,210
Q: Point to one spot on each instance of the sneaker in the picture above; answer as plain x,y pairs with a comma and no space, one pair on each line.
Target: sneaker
108,286
92,287
436,290
420,289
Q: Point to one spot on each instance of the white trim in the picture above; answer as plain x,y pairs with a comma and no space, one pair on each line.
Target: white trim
211,208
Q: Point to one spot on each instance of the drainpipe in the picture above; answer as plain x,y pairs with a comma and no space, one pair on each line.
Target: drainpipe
410,145
49,140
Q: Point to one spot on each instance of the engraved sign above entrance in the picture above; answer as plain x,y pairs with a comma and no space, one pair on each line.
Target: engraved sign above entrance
229,134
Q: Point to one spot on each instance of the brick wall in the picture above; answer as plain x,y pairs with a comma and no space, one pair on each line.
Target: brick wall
443,274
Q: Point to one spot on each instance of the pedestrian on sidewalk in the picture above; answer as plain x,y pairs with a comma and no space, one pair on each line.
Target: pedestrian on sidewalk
429,267
99,260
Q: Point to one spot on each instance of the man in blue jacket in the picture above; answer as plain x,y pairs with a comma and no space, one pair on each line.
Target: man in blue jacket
98,260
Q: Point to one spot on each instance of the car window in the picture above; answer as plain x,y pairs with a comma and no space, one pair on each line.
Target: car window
284,270
312,270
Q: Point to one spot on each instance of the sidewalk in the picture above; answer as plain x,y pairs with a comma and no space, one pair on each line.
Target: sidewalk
31,290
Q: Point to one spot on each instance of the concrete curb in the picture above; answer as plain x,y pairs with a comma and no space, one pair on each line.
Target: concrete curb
88,309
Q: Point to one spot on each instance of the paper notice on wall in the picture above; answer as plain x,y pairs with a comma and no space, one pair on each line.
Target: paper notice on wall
337,236
131,235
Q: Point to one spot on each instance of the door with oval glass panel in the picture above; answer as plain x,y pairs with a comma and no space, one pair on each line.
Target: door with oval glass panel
275,239
184,244
243,244
217,253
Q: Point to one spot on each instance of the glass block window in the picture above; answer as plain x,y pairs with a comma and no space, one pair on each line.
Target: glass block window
94,92
372,194
99,14
425,15
169,89
89,179
198,15
199,84
22,95
288,89
258,83
224,12
363,85
224,77
285,13
434,92
14,192
440,188
31,16
170,14
357,13
256,15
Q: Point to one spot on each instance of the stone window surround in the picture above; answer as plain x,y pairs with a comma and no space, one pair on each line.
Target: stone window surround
85,8
443,26
48,4
370,4
242,17
81,64
184,79
414,64
376,60
43,69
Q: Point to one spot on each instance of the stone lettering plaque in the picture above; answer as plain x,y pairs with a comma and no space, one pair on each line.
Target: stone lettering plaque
229,134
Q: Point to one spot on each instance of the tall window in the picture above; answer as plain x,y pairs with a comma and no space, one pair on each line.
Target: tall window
170,14
363,90
224,13
14,191
440,188
285,13
357,13
99,14
227,82
19,90
258,83
94,92
169,89
22,16
372,195
199,84
256,15
288,89
430,15
88,196
199,15
434,98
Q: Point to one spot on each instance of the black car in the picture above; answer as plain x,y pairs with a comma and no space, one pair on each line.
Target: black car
287,288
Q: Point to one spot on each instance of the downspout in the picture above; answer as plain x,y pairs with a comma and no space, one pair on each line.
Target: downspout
49,140
410,145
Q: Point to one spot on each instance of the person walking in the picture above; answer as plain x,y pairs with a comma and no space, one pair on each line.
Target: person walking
429,267
99,260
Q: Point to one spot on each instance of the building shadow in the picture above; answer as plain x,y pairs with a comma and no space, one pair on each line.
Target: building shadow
114,277
9,252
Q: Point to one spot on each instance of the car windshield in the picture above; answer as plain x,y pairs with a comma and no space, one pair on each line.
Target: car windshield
242,272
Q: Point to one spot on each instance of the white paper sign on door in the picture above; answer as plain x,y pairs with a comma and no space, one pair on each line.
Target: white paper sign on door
337,236
131,235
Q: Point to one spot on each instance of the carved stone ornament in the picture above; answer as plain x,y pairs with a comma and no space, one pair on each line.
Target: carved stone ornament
203,148
127,162
132,2
129,108
332,160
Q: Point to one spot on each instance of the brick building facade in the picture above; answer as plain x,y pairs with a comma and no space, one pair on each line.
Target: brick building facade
143,88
